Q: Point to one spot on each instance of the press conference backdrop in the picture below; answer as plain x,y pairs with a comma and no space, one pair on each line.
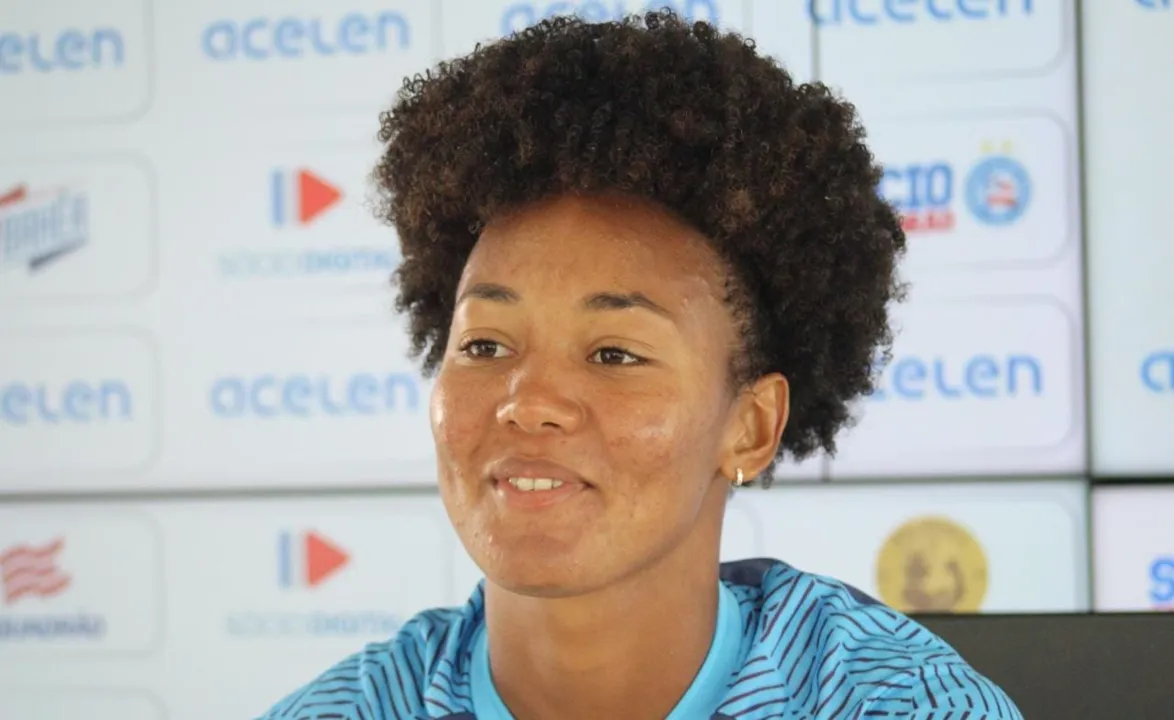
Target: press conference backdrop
195,301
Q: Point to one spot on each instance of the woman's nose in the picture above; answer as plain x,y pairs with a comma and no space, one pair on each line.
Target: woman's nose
540,402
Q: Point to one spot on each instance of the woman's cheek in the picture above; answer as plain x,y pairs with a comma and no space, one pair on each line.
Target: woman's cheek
647,435
457,409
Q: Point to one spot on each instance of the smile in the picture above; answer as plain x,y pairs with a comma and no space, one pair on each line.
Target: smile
528,484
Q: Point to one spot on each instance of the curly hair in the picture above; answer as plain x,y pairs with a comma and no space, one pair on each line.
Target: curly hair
773,173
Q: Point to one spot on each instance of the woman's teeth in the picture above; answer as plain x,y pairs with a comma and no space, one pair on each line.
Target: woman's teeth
534,484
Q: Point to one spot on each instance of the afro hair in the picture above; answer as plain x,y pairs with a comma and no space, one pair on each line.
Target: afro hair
774,173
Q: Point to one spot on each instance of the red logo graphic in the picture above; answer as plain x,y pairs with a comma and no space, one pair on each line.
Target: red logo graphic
13,196
32,571
323,558
307,194
314,559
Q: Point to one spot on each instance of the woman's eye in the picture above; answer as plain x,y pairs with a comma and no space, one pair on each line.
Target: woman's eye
483,349
615,356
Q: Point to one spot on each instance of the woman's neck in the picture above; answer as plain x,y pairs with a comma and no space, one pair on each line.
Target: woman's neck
629,651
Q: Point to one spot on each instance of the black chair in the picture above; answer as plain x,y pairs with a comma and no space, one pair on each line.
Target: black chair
1071,666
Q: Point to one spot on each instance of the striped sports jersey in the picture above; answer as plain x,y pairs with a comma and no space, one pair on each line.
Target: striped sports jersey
811,648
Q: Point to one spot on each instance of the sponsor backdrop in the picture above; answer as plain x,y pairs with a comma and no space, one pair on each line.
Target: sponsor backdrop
1130,248
195,301
1133,548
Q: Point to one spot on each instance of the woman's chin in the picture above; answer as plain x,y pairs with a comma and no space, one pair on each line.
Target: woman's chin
547,590
541,581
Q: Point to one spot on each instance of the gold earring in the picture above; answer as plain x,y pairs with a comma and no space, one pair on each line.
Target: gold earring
739,478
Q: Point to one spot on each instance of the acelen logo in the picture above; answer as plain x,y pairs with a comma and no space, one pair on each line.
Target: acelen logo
300,196
65,50
307,559
970,375
890,12
299,395
74,402
38,228
520,16
985,376
288,38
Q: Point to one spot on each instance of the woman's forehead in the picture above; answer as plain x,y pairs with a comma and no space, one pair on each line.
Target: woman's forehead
595,239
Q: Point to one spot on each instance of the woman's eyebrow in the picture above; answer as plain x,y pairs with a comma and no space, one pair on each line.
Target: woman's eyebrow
490,291
624,301
600,301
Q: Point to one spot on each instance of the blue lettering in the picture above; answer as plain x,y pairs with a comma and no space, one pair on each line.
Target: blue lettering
249,43
14,402
352,33
257,397
1019,366
76,399
371,623
397,386
520,16
876,12
980,376
228,397
296,395
80,403
1157,371
1156,4
219,40
328,404
263,38
71,49
287,40
909,376
976,9
1162,575
81,626
320,43
111,393
268,396
916,187
923,193
362,394
900,11
312,262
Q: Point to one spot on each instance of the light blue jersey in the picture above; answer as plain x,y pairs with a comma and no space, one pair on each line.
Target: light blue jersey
787,644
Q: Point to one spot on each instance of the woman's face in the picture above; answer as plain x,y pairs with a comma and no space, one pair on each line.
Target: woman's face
582,412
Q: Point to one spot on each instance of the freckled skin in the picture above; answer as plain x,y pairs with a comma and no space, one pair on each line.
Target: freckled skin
636,402
648,437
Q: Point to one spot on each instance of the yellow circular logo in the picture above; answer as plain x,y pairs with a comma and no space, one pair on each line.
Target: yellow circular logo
932,564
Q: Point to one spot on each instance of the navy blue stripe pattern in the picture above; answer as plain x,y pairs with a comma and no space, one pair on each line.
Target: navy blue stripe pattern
814,648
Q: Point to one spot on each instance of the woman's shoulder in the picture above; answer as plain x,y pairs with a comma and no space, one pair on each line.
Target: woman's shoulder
420,672
827,646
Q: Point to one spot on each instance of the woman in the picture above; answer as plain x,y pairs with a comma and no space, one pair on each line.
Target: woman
642,263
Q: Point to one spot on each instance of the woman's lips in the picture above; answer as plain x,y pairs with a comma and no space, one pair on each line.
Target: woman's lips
512,493
534,484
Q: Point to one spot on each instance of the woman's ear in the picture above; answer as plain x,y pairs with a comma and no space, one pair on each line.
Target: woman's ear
756,426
